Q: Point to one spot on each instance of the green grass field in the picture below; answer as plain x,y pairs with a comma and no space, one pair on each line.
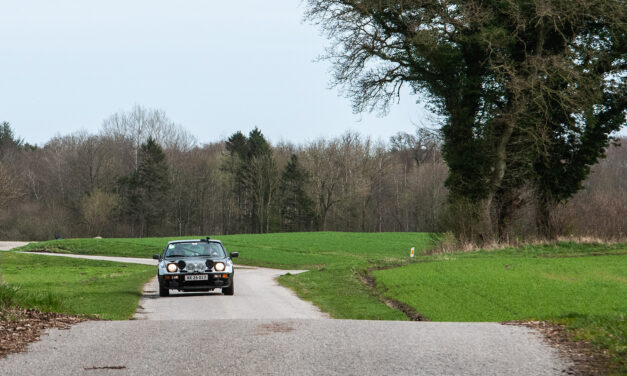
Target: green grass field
334,258
583,286
284,250
108,290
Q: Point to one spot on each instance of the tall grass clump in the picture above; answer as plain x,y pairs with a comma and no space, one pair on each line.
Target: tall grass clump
12,296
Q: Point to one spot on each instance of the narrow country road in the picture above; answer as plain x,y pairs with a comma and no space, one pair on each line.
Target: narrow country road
5,246
257,296
266,330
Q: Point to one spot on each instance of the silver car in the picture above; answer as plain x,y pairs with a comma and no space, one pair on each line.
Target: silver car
195,265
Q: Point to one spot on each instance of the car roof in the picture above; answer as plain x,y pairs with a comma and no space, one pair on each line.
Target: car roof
194,241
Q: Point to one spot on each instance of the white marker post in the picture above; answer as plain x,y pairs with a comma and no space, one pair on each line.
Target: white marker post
411,254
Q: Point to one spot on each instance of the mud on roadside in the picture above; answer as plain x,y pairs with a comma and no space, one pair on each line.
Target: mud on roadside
586,359
406,309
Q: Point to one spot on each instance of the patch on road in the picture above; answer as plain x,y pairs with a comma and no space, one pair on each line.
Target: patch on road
273,327
104,367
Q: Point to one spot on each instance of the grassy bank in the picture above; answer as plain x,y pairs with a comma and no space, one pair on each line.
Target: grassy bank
582,286
335,260
107,290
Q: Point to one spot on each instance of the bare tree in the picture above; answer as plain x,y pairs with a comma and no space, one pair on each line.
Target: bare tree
9,188
322,158
141,123
98,208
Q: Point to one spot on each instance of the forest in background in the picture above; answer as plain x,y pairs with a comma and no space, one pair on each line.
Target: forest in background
143,175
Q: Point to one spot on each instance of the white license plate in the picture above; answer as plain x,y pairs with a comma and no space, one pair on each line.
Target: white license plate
197,277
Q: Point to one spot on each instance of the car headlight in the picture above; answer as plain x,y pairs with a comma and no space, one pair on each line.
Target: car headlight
219,266
172,268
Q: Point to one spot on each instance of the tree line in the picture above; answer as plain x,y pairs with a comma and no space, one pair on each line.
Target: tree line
143,175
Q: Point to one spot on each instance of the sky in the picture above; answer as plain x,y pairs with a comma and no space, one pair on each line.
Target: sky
213,67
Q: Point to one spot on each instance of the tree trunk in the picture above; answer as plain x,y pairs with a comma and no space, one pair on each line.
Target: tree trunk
489,208
543,219
486,227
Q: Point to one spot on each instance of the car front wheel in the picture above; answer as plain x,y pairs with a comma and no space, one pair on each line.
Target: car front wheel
164,291
229,290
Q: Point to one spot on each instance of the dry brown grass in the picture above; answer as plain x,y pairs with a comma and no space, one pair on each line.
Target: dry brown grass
447,243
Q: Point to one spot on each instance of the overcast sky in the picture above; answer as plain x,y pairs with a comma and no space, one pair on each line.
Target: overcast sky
214,67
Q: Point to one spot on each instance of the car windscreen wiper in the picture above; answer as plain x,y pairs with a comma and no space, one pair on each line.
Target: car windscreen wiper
175,256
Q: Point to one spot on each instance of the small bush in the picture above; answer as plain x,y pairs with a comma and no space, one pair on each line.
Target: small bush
444,243
7,295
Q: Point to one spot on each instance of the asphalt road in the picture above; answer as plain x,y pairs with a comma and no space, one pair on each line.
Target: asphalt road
257,296
266,330
285,347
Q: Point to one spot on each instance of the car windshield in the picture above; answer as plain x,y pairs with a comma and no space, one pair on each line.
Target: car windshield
194,249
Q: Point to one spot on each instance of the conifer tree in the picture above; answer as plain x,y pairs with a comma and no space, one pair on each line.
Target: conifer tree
8,139
146,190
296,206
253,170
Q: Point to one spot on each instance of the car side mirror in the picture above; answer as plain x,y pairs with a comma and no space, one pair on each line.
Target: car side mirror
156,257
234,254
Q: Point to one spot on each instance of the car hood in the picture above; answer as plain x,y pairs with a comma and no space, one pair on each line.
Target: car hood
195,260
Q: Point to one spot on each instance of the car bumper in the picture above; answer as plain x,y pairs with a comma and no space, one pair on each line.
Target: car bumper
178,282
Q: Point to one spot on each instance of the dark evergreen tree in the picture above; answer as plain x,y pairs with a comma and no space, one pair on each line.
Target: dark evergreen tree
296,207
235,166
8,140
145,191
237,145
257,144
254,174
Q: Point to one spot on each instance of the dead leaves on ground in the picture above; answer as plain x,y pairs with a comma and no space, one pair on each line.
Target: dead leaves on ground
19,327
585,359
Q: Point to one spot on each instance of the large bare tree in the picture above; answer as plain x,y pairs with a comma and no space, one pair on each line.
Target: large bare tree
510,79
141,123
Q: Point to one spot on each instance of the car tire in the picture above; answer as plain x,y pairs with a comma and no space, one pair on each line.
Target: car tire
164,292
229,290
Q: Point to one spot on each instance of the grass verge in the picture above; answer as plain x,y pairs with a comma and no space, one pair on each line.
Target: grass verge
107,290
581,286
